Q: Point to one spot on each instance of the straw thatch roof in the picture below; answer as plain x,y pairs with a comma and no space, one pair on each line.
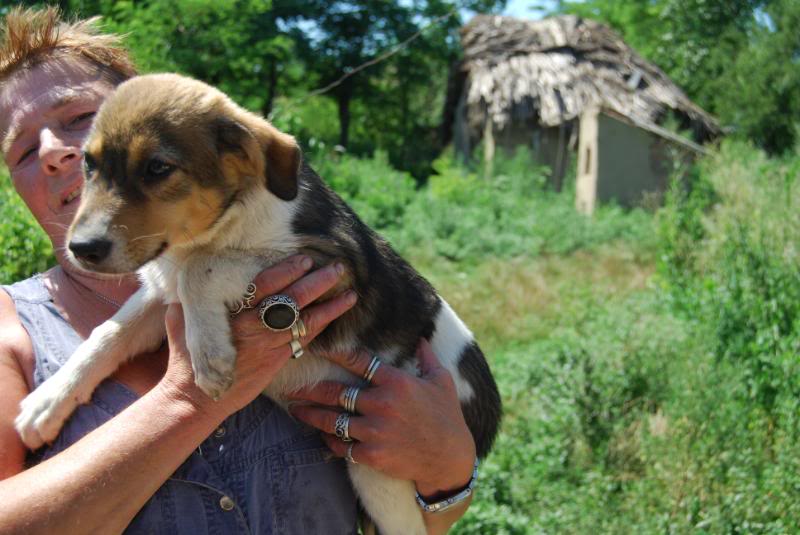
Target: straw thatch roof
550,70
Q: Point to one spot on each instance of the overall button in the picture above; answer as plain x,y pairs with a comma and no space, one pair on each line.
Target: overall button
226,503
220,432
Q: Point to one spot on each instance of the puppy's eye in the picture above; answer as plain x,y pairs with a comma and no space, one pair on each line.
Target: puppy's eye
157,169
89,165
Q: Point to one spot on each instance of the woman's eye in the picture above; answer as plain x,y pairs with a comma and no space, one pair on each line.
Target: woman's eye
82,118
27,153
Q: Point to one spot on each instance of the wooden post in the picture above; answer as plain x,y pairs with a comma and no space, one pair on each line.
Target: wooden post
561,157
586,180
488,146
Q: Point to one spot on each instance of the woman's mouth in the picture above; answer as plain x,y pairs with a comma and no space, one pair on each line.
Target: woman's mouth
72,196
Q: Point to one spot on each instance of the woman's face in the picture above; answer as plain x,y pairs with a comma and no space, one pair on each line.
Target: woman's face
45,114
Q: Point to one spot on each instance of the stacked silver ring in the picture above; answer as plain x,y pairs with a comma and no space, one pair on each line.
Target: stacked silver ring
298,329
374,364
342,427
297,349
350,395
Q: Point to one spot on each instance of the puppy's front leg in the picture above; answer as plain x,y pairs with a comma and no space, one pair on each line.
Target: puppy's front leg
204,288
137,327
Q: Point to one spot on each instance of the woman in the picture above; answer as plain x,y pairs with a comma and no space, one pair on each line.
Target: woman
151,452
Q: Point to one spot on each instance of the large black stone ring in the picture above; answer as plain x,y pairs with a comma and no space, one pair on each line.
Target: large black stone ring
278,312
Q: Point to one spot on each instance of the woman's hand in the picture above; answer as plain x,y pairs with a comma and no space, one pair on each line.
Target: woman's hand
405,426
261,352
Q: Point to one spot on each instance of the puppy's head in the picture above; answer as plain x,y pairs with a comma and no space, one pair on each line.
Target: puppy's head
166,158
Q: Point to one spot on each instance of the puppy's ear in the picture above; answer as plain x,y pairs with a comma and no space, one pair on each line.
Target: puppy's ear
283,163
267,153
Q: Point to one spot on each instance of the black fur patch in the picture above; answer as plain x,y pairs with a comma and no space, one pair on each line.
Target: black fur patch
484,410
396,305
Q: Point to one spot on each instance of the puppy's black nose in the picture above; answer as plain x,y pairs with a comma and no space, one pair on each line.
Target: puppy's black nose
93,250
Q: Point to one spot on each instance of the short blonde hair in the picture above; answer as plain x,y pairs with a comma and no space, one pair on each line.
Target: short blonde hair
29,37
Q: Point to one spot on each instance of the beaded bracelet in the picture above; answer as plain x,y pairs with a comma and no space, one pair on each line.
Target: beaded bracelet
447,503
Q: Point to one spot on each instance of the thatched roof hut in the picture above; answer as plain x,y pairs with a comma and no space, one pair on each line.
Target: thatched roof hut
552,69
548,82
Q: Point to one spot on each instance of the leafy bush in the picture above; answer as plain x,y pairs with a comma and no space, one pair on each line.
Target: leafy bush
460,216
26,248
374,189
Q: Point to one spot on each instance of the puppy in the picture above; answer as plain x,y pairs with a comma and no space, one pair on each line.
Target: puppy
198,196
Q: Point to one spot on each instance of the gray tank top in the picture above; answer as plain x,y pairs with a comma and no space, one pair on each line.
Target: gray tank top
260,472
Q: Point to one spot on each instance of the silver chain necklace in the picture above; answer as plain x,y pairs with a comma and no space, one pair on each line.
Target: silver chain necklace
98,295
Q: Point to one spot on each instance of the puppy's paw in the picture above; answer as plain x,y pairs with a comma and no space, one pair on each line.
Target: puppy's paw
213,366
44,411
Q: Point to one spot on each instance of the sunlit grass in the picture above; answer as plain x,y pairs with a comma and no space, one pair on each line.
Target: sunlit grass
517,301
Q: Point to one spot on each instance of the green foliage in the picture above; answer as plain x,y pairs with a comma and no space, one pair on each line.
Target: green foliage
378,193
233,45
461,216
731,255
26,249
730,260
759,91
579,405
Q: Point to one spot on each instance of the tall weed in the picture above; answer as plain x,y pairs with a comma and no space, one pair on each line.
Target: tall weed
731,254
730,262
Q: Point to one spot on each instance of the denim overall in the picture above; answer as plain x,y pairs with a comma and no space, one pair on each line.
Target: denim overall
260,471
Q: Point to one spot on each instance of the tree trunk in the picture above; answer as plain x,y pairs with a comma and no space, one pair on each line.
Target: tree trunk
343,97
272,84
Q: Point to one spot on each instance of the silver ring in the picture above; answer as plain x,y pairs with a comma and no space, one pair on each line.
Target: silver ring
374,364
278,312
349,398
342,427
349,455
246,302
297,349
298,329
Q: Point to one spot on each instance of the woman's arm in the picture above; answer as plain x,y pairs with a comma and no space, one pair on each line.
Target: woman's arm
98,484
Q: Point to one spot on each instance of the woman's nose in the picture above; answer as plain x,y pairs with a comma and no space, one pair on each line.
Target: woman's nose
57,154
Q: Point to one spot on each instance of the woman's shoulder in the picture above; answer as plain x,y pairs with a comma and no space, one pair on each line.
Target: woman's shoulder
16,349
16,362
30,290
